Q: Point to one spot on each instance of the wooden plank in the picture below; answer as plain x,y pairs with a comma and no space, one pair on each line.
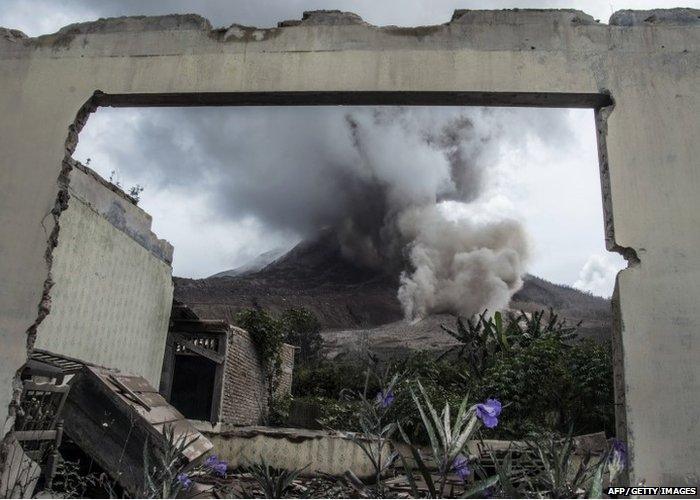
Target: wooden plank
135,383
153,399
37,367
65,363
159,414
128,392
358,98
217,393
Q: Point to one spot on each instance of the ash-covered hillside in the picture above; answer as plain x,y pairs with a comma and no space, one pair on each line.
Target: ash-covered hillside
359,304
313,275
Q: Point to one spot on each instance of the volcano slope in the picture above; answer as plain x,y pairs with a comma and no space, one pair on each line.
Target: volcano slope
357,307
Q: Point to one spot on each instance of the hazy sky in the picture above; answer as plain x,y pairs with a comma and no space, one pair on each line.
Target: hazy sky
36,17
548,179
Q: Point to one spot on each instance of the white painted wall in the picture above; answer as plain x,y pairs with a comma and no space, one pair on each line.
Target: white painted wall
112,298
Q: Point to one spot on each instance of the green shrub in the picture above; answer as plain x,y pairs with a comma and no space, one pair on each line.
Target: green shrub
278,410
268,335
336,414
550,385
548,380
484,338
328,379
329,384
303,330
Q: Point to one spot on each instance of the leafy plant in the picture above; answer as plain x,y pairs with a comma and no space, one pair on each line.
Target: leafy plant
483,338
268,335
298,327
328,379
274,482
278,410
134,191
72,482
550,467
377,431
166,475
448,440
562,476
160,467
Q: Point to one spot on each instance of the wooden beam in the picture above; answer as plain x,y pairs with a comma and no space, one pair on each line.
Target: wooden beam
200,326
207,353
359,98
129,392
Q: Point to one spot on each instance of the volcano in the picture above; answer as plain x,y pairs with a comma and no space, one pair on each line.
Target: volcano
356,304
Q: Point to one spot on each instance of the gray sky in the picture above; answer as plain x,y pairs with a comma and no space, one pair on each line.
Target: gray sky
36,17
547,178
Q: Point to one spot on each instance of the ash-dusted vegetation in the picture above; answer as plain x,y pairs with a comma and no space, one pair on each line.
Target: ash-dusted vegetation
552,381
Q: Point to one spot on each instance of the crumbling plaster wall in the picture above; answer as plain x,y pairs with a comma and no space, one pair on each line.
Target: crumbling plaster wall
111,301
648,61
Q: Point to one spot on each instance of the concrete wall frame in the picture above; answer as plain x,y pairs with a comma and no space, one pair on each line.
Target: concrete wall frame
648,61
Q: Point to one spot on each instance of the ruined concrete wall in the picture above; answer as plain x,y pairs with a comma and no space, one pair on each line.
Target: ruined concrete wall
649,62
316,452
244,398
113,290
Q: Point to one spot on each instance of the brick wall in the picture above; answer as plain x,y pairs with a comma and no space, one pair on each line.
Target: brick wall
244,390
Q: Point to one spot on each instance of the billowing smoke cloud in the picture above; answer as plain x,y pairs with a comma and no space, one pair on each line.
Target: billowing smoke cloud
598,274
387,179
449,266
459,267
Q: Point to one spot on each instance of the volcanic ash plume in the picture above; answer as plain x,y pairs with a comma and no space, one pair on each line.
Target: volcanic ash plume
389,181
447,264
459,267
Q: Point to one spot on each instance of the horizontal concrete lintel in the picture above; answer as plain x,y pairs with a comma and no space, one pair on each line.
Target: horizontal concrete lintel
359,98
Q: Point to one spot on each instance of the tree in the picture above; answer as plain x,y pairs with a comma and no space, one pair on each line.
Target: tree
303,330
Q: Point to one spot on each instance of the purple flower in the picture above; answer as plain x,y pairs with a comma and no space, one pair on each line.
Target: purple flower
460,465
184,480
620,452
618,459
488,412
385,398
218,466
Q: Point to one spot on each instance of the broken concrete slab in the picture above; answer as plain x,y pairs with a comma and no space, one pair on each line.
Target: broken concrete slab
317,451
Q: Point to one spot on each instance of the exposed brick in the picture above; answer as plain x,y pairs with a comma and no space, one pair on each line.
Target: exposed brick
245,392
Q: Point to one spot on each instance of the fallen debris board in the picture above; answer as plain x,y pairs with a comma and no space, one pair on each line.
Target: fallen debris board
111,415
